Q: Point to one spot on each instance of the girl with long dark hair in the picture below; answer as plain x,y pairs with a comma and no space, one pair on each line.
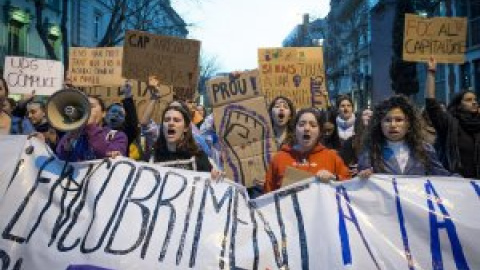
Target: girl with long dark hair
395,142
282,113
175,141
458,128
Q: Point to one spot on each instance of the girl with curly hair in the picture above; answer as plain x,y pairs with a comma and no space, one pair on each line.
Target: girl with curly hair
395,142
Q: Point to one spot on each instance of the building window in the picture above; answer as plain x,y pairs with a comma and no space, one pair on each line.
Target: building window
54,4
474,29
465,82
476,76
474,10
15,38
97,24
17,24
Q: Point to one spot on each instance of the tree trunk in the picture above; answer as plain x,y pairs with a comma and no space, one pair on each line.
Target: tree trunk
42,32
65,45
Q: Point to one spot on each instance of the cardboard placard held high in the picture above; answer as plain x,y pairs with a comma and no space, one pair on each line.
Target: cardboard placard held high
296,73
175,61
444,38
243,126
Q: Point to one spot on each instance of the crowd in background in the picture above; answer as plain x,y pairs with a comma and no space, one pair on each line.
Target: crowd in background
394,137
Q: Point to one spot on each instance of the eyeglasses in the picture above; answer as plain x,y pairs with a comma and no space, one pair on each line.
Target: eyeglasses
396,120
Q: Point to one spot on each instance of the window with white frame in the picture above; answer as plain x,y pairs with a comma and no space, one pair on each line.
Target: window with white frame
97,25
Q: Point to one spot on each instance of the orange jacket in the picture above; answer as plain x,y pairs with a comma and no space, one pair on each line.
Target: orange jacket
320,158
196,118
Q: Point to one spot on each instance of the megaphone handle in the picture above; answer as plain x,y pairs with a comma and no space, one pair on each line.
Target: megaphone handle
74,135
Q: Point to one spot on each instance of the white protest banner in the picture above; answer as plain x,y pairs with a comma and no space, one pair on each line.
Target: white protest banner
12,148
119,214
23,75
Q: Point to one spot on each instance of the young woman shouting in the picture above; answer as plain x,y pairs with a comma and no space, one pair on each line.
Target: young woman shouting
305,152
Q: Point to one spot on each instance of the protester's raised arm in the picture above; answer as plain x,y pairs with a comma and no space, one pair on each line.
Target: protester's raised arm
131,118
437,115
152,87
430,83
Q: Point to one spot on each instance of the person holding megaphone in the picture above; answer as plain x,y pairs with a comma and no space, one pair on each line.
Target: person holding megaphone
93,140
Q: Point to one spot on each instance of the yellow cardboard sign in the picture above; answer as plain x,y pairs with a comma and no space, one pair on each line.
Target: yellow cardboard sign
297,73
442,37
228,89
245,132
96,66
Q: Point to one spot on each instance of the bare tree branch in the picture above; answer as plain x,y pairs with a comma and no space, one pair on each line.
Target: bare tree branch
144,15
209,66
116,20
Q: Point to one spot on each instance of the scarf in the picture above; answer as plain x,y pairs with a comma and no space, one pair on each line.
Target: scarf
44,126
470,122
346,127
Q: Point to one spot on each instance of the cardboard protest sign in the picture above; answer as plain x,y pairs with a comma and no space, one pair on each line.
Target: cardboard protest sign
246,135
296,73
243,125
141,97
96,66
175,61
23,75
442,37
121,214
223,90
293,175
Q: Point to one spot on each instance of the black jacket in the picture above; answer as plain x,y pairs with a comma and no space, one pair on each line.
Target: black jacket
201,160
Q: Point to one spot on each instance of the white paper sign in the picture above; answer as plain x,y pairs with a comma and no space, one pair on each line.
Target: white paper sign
120,214
23,75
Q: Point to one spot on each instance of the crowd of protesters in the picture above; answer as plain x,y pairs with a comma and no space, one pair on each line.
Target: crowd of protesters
334,144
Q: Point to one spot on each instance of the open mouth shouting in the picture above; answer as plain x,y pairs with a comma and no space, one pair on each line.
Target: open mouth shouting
282,118
306,140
